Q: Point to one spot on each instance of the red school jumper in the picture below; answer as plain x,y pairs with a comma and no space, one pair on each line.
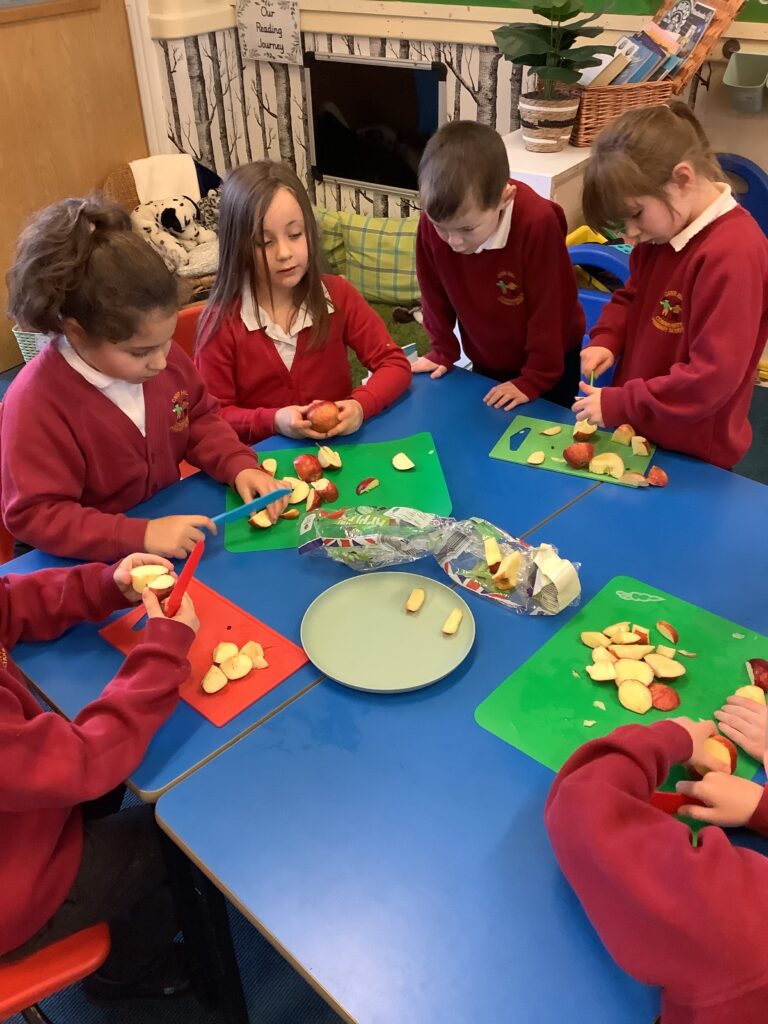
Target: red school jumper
244,371
689,328
517,307
693,920
49,766
72,462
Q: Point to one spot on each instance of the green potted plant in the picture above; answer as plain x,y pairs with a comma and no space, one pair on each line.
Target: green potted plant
547,115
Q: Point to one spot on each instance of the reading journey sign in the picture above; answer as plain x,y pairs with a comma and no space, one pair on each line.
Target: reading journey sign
269,30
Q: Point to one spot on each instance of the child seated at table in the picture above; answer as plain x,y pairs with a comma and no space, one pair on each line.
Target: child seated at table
689,327
490,254
688,919
62,869
100,420
275,334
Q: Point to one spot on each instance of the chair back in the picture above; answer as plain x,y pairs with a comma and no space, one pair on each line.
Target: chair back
754,198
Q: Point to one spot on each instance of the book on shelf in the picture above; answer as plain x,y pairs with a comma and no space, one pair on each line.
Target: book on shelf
606,75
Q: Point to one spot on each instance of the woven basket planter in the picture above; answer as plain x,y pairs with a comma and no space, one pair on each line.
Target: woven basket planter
601,107
547,124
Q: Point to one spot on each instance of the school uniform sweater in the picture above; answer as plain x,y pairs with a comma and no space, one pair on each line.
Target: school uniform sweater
49,766
244,371
689,919
689,329
517,307
72,463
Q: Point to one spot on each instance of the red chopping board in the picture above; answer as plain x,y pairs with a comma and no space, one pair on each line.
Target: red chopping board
220,621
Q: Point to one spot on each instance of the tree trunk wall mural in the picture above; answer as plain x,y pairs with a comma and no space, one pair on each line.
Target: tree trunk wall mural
225,110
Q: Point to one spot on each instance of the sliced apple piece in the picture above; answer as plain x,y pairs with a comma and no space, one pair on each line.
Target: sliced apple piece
625,638
492,554
223,651
607,464
665,668
299,490
214,680
751,693
236,667
327,490
507,574
602,654
269,466
550,431
260,663
584,431
161,586
143,575
252,650
601,672
415,600
536,458
635,697
757,671
666,652
595,640
366,485
640,671
642,631
260,520
578,456
668,632
328,458
633,479
623,434
664,697
452,623
402,463
290,513
634,651
617,627
313,500
657,477
641,445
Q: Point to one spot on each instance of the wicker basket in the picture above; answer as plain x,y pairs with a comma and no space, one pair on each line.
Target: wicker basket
600,107
29,342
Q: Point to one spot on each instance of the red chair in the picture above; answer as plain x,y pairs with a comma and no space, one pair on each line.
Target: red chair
184,335
43,974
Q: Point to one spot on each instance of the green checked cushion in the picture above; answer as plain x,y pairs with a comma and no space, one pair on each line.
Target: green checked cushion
331,239
381,257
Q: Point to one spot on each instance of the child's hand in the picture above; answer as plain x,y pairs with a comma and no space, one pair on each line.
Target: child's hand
122,576
424,365
730,801
350,418
743,721
175,536
250,483
699,732
595,359
291,421
588,407
505,396
185,614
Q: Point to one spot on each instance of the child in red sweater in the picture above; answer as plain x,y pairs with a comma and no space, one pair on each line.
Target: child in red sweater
275,333
100,420
688,919
690,325
62,867
491,254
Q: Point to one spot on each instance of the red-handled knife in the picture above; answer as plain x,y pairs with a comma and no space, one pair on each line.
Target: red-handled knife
174,601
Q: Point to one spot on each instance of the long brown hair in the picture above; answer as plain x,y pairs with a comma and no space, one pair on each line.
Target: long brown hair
80,259
636,156
245,198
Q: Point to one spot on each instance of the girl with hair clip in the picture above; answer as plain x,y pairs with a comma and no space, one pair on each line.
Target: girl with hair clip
100,420
688,329
274,336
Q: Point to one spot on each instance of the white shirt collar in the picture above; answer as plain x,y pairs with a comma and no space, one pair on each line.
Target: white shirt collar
254,321
96,377
499,238
717,208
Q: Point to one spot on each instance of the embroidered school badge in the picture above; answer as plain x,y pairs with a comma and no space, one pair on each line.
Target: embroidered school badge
669,317
509,292
180,410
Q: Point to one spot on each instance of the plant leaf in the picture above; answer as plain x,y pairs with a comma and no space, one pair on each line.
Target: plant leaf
577,54
517,41
566,75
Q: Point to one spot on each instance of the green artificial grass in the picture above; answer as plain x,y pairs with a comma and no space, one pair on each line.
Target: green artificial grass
403,334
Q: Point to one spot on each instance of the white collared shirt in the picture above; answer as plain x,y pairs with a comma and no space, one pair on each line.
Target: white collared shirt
285,341
129,398
717,208
499,238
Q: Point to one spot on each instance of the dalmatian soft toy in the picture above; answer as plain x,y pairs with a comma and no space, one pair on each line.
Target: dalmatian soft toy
171,227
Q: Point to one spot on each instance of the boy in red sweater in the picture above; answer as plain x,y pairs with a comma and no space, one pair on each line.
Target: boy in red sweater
101,419
491,254
275,334
62,869
688,919
690,326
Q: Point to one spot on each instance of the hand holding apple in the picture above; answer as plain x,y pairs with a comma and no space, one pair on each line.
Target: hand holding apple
291,421
175,536
350,418
186,613
250,483
596,359
588,407
424,365
744,721
505,396
122,574
729,801
700,732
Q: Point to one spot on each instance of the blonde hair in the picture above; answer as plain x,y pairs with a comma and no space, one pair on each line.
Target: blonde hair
636,156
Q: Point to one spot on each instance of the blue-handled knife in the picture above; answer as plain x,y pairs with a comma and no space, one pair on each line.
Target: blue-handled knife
251,506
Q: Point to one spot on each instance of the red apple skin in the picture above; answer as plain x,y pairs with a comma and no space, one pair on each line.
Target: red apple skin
733,753
579,455
336,514
329,493
657,477
161,595
759,668
323,415
307,468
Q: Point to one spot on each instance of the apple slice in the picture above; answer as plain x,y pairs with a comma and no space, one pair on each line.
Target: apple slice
722,749
641,445
313,500
578,456
260,663
595,640
223,651
452,623
260,520
366,485
664,697
602,654
633,479
607,464
415,600
161,586
492,553
635,697
634,651
290,513
551,431
214,680
617,627
665,668
657,477
642,631
402,462
237,667
665,652
622,639
143,575
307,468
269,466
584,431
327,490
299,490
601,672
668,632
757,670
328,458
536,458
751,693
252,650
623,434
507,574
637,670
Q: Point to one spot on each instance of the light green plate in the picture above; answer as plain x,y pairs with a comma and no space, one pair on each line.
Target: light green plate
360,634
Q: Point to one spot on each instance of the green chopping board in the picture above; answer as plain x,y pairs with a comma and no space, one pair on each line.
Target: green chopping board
541,708
553,448
422,487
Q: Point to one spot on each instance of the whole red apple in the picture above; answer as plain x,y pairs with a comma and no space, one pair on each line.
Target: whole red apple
323,416
307,468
